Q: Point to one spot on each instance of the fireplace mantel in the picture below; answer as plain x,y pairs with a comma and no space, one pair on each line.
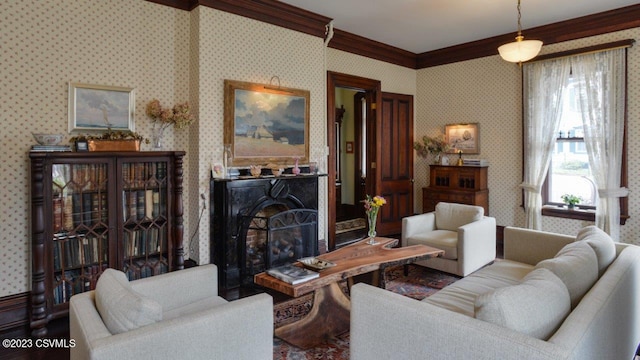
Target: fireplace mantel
233,199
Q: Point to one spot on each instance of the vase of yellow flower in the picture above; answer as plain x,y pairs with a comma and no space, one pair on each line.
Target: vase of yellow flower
179,116
371,206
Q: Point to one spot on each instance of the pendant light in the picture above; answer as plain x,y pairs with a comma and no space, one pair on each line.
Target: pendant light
521,49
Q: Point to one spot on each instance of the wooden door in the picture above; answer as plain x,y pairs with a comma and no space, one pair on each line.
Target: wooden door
394,168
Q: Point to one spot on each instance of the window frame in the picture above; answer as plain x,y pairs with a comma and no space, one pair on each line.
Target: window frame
588,213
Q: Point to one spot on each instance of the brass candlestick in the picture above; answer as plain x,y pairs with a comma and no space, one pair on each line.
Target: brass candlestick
460,162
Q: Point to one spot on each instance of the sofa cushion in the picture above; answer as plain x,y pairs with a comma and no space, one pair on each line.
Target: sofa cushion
440,239
577,266
536,307
121,308
461,295
601,243
451,216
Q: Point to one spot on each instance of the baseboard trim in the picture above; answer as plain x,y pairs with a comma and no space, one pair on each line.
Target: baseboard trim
14,310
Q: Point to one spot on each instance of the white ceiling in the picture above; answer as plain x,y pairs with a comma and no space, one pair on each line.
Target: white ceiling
424,25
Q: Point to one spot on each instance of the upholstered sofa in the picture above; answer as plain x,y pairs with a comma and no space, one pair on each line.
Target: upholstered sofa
177,315
552,297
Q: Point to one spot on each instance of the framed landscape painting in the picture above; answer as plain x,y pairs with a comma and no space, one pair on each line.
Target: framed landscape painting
265,124
100,107
463,137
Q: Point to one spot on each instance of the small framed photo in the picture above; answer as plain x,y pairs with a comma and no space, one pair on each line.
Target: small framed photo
217,171
463,137
100,107
349,148
82,145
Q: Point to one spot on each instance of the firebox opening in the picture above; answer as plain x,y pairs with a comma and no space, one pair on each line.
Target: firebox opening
277,236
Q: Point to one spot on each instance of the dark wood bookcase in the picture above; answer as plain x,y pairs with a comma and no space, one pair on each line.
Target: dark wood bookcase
456,184
96,210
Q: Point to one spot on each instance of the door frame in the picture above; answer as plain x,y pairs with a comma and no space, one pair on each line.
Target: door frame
373,89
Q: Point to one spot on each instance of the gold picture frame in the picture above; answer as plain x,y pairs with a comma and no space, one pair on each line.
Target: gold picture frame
265,124
463,137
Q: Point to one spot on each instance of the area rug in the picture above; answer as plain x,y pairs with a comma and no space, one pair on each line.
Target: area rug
420,283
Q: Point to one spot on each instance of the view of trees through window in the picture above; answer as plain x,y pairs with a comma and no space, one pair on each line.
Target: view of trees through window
569,172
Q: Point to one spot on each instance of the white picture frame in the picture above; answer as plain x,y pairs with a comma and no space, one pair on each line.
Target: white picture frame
100,107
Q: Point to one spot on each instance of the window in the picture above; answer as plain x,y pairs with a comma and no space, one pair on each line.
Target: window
569,171
574,106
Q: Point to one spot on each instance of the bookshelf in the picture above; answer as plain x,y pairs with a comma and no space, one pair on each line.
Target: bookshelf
96,210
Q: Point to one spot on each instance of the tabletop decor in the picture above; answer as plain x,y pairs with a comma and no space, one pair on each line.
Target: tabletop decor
178,116
431,145
371,206
109,141
571,200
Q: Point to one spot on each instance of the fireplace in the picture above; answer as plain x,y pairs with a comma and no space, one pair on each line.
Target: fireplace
259,223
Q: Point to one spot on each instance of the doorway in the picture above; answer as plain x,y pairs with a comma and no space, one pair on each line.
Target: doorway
351,130
385,165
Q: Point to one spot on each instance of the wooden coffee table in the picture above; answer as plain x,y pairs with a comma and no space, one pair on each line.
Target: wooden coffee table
330,313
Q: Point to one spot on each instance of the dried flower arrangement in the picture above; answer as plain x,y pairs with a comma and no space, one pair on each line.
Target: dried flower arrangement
178,116
431,145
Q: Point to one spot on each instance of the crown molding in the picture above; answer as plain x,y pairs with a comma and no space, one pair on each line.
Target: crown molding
359,45
596,24
290,17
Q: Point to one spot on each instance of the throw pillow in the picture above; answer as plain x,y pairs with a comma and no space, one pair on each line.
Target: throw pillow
451,216
536,307
122,309
577,266
601,243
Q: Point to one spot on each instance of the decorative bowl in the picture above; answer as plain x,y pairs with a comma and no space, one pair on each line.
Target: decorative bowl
277,172
314,263
48,139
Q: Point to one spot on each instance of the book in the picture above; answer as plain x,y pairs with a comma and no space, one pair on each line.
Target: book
140,204
57,214
292,274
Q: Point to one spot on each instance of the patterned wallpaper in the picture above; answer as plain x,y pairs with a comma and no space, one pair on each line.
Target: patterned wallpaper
488,91
47,43
253,51
175,55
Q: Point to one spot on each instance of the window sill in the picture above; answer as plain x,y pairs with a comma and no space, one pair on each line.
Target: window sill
576,214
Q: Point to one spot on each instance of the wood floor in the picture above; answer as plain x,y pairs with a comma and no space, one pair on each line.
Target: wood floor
58,329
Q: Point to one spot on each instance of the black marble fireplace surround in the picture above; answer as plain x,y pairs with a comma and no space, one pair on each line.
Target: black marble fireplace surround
241,209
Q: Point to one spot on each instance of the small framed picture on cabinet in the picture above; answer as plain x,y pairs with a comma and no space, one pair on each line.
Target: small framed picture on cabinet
82,145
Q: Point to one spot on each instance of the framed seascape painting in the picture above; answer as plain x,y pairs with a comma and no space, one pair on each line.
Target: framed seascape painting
265,124
100,107
463,137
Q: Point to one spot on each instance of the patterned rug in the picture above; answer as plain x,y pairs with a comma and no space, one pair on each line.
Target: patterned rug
419,284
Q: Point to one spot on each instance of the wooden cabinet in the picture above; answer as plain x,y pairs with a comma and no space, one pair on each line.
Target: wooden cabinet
457,184
97,210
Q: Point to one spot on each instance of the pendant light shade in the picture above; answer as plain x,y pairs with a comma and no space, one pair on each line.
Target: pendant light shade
521,49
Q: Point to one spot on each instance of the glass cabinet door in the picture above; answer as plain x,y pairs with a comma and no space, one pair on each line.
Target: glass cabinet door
145,217
80,208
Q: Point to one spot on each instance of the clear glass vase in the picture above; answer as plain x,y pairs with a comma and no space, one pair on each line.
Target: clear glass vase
372,217
158,132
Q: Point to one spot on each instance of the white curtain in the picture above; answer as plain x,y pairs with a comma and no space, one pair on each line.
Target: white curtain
601,80
543,84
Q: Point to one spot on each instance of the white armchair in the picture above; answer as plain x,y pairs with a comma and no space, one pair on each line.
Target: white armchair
177,315
467,237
